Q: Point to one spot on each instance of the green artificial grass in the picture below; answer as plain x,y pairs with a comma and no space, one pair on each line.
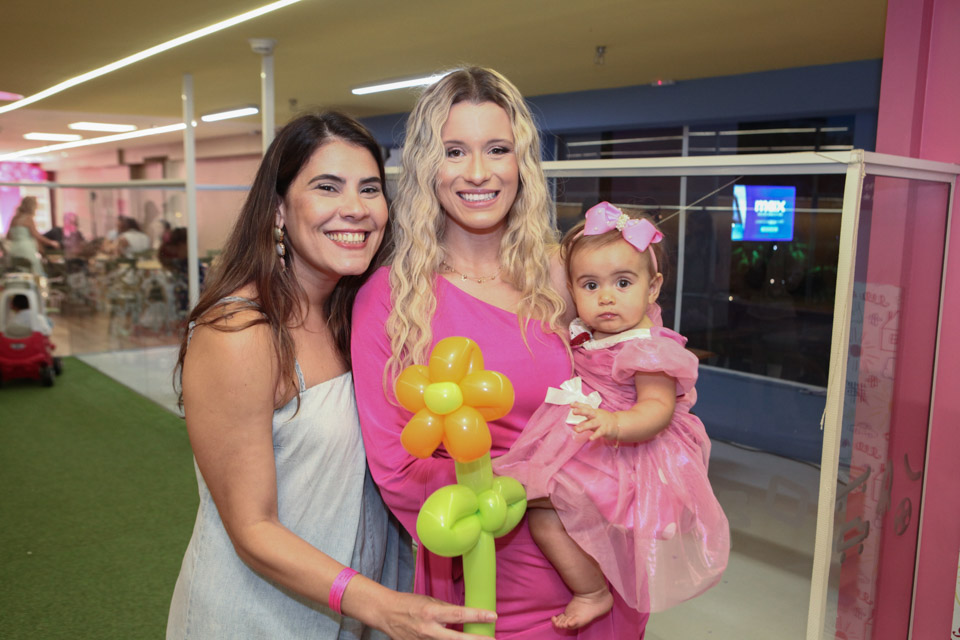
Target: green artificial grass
98,502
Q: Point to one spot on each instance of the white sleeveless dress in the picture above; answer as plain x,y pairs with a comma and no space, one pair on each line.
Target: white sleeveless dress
20,244
326,496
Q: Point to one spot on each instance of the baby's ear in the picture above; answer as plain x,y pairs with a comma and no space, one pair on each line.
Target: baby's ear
654,290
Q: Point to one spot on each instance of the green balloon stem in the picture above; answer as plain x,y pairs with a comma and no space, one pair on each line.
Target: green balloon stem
480,563
480,582
476,474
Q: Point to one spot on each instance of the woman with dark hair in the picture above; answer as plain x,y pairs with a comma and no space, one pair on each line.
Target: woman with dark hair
130,239
288,512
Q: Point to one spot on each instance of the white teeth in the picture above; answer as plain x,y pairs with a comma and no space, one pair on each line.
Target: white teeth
348,237
478,197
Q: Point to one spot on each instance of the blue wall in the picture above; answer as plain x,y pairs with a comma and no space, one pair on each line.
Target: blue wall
836,89
761,413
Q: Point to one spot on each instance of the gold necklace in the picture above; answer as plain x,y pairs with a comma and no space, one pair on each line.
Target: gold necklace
477,279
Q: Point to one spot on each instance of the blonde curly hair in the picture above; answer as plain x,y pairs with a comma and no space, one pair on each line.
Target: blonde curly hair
419,219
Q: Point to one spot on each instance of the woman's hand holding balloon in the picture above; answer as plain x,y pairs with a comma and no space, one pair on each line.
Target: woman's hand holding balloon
409,616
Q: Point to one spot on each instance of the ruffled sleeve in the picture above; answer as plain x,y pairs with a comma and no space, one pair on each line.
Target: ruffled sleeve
662,352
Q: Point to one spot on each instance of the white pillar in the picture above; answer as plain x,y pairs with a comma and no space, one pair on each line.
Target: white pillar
681,235
264,46
190,170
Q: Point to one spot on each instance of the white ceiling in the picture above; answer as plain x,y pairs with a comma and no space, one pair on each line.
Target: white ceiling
326,47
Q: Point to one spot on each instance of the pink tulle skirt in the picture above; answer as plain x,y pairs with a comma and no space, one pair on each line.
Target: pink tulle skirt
645,511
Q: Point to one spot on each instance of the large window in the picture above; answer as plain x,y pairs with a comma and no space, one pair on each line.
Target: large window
769,136
757,305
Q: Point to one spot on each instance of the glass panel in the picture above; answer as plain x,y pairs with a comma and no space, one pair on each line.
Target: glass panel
760,301
762,304
764,350
899,265
117,292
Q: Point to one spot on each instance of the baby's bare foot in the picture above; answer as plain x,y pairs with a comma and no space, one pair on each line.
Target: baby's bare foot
583,608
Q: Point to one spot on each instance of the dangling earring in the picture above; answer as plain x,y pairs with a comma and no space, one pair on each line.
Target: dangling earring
281,248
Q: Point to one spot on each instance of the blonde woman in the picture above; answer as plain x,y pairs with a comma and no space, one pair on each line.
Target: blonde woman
474,255
23,239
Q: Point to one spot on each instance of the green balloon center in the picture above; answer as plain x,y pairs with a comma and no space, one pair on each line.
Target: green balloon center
443,397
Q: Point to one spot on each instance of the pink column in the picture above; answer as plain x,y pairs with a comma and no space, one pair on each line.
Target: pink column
919,116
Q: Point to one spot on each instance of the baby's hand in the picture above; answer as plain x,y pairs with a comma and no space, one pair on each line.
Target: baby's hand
603,423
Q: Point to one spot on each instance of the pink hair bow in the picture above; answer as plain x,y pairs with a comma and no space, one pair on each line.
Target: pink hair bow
640,234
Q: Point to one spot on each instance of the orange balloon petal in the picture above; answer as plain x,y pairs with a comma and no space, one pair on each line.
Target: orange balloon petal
410,386
466,434
452,358
489,392
422,434
476,361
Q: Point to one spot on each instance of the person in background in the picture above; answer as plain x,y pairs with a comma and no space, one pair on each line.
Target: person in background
21,318
288,512
475,255
130,239
23,239
73,240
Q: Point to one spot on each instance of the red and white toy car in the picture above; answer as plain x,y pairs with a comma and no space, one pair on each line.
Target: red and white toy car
26,350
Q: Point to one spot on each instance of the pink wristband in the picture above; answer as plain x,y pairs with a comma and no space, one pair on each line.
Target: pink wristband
339,586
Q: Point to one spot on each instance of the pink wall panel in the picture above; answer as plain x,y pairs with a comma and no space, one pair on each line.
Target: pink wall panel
919,116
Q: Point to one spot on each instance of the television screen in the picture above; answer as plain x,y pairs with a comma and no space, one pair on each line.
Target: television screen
763,212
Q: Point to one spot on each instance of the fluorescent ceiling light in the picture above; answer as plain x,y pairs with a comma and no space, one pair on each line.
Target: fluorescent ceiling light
398,84
232,113
101,126
52,137
146,53
6,96
90,141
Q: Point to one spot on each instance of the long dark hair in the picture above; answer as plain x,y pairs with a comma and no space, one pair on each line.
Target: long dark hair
249,255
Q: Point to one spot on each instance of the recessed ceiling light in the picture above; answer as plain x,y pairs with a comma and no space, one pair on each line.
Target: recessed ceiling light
101,126
52,137
398,84
146,53
231,113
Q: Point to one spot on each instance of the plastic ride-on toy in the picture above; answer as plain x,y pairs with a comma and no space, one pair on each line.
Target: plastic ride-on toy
24,351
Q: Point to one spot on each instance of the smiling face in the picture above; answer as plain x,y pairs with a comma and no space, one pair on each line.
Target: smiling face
479,178
334,212
612,287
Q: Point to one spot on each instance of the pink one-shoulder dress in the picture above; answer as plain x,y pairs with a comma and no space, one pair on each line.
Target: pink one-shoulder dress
529,590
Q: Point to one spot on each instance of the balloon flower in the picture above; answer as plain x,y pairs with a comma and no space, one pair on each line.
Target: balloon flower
451,399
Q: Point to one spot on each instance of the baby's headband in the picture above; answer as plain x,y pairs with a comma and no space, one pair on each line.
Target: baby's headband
640,234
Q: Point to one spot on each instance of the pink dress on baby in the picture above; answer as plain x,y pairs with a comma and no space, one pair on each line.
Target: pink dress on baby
529,590
645,511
